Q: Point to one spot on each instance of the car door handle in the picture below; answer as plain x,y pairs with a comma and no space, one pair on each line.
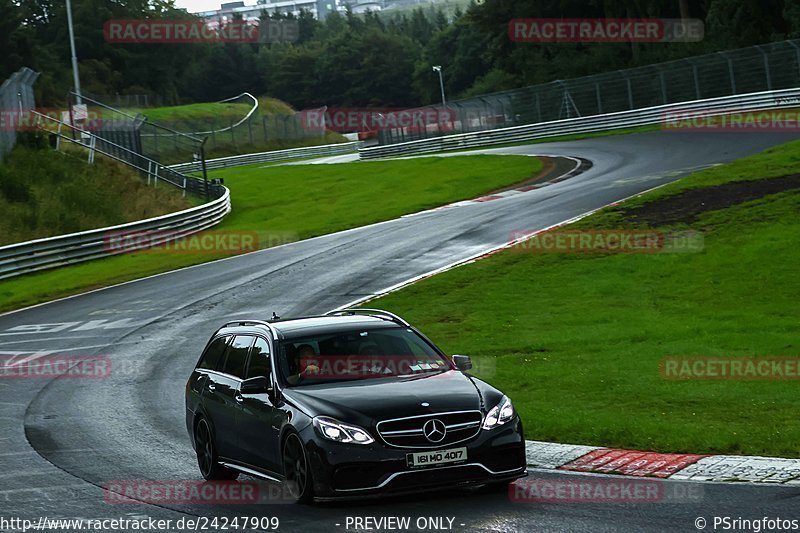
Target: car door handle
238,397
212,387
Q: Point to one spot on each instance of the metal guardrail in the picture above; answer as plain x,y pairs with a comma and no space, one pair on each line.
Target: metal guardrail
42,254
623,119
267,157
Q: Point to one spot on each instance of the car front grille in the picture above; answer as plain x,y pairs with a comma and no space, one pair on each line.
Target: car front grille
410,432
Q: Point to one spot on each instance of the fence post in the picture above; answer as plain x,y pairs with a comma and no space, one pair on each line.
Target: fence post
663,87
461,118
599,100
202,152
696,82
630,92
766,67
730,70
796,53
503,110
92,143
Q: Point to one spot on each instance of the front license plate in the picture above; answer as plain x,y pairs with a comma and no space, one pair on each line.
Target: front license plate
438,457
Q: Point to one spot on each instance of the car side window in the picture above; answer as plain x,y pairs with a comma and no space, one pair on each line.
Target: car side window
213,354
236,355
259,359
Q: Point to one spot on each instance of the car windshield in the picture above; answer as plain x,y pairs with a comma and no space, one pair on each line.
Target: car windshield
357,354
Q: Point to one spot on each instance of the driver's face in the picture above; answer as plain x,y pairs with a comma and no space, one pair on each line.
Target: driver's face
306,352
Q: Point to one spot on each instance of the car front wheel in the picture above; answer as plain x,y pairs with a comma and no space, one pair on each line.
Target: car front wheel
297,470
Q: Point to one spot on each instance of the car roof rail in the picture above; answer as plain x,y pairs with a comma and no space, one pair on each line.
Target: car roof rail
248,322
377,313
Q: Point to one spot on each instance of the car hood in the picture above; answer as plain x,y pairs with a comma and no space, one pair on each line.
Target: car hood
370,401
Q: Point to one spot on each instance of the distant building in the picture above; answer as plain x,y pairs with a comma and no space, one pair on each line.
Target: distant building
231,10
361,6
319,8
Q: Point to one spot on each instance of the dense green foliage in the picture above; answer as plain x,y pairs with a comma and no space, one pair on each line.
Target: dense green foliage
352,60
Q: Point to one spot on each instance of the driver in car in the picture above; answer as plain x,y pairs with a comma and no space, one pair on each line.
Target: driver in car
301,365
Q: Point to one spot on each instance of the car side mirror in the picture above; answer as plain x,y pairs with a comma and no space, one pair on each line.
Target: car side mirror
256,385
462,362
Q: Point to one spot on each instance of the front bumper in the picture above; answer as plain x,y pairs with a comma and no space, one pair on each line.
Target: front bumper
350,470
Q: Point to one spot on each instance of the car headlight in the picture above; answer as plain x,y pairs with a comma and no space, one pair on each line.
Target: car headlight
499,414
332,429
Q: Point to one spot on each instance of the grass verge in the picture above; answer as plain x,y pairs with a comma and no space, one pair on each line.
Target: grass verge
577,338
295,202
222,111
45,193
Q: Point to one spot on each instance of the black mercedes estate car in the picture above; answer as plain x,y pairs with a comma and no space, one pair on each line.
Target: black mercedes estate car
349,404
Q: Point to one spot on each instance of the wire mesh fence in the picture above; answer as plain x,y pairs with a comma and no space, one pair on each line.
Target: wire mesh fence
265,131
258,132
16,98
235,125
243,127
758,68
133,131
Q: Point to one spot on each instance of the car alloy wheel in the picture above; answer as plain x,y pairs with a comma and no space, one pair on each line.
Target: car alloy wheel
210,469
296,469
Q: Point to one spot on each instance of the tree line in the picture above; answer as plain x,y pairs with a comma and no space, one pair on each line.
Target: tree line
375,59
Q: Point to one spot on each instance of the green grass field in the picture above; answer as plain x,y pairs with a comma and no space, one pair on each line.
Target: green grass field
45,193
576,339
213,110
291,202
201,111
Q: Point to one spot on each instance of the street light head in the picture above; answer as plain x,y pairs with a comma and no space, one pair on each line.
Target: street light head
437,68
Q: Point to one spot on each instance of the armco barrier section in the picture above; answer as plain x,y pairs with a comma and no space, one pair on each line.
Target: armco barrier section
42,254
267,157
624,119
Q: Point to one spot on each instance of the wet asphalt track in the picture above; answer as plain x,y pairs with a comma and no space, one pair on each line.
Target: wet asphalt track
62,441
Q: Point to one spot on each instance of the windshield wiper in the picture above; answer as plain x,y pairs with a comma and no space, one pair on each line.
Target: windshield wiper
423,374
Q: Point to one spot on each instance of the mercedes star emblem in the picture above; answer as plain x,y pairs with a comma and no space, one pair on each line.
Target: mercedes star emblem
434,430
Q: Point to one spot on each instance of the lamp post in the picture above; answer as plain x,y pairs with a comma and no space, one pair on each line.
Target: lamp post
438,68
75,78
